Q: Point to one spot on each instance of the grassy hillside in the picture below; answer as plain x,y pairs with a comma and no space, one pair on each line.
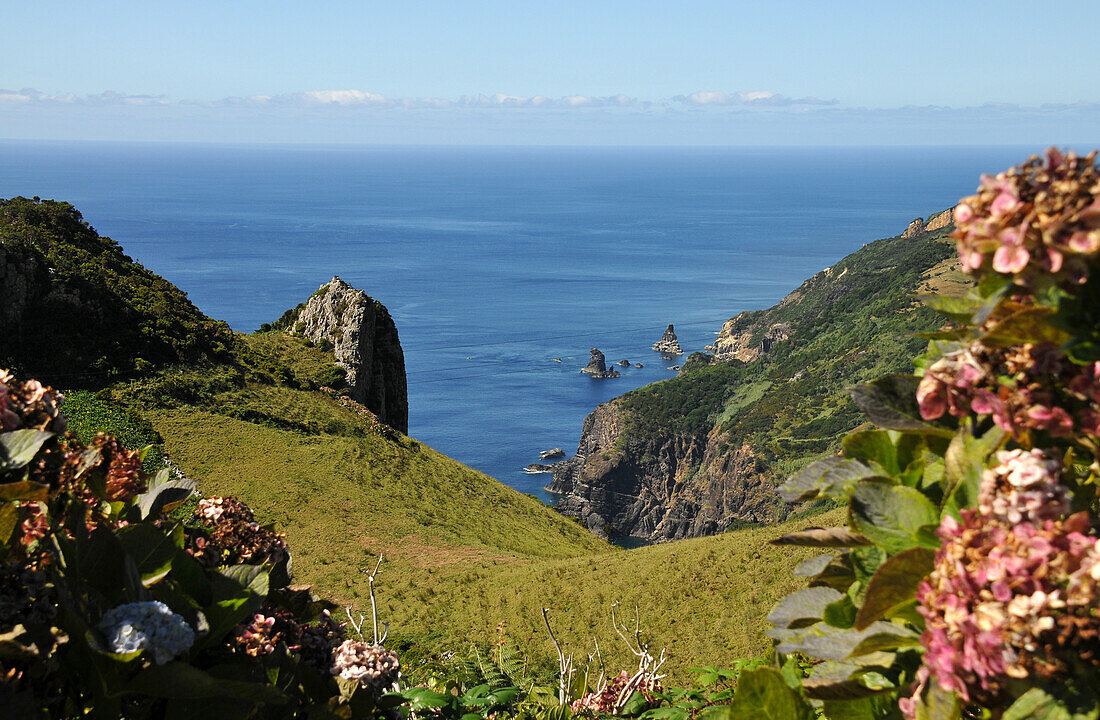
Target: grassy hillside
465,553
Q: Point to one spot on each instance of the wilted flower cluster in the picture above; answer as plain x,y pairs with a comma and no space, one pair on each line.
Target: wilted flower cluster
374,667
1041,218
125,478
1023,487
603,702
234,537
148,626
1027,387
29,405
1014,585
257,637
315,642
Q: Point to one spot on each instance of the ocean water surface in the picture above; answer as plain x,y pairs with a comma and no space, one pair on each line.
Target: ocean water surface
495,261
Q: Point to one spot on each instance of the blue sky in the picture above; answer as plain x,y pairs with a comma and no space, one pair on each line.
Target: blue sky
599,72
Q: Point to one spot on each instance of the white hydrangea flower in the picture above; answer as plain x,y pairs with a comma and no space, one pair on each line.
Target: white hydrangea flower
148,626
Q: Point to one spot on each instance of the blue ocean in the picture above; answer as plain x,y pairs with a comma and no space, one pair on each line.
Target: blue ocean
494,262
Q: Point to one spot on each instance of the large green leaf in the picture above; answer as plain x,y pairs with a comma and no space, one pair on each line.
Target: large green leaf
891,403
831,477
180,681
104,564
827,642
894,584
873,446
803,607
1050,704
1030,325
964,462
891,515
26,490
18,447
152,549
939,704
762,695
165,493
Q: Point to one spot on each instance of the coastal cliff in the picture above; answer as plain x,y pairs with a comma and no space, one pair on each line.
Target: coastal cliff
365,344
701,453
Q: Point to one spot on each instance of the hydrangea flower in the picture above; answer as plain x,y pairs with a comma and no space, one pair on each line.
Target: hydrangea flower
148,626
1038,220
374,667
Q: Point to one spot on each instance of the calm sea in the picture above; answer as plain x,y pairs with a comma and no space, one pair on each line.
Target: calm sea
496,261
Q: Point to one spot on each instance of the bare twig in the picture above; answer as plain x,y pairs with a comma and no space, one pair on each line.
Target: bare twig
565,664
373,606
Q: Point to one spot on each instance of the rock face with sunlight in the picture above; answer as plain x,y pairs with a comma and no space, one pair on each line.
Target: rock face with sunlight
365,343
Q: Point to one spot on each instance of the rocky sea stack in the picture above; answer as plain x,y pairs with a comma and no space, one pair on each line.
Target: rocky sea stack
597,366
366,346
668,344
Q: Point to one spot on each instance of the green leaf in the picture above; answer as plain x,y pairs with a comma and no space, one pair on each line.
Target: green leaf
180,681
1030,325
151,549
422,698
813,566
841,613
762,694
964,462
18,447
827,642
885,642
634,705
938,704
823,537
1043,704
891,403
165,493
26,490
803,607
891,515
959,309
894,584
831,477
249,577
104,564
874,446
9,519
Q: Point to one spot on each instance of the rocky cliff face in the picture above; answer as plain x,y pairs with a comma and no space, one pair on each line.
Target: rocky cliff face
702,452
365,344
658,490
934,222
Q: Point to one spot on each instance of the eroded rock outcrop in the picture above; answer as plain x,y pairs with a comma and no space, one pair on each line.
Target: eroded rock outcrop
668,344
365,344
741,339
597,366
934,222
659,490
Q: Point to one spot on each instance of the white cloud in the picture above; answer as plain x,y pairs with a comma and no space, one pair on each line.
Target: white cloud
759,98
30,96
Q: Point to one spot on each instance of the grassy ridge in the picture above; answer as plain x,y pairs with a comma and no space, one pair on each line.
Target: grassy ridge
465,553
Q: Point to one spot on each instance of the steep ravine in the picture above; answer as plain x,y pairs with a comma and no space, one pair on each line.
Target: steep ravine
700,453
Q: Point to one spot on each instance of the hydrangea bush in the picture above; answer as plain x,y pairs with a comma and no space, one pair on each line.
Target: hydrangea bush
113,606
967,583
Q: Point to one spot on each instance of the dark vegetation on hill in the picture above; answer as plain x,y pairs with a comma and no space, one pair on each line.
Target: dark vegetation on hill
74,307
700,453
